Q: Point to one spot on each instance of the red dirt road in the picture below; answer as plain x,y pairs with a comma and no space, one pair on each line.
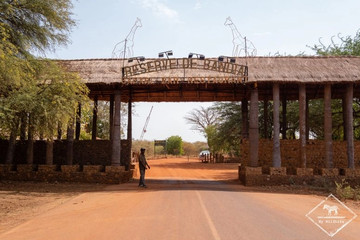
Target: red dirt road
185,200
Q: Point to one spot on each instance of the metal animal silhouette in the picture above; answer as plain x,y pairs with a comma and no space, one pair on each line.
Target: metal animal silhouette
124,49
331,209
240,43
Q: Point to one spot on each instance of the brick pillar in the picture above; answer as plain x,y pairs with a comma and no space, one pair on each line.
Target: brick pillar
116,136
276,140
302,124
254,128
328,127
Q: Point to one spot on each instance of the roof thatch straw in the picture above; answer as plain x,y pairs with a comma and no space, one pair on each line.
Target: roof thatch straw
260,69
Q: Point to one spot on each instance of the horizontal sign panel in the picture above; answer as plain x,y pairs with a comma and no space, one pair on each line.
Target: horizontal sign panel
240,71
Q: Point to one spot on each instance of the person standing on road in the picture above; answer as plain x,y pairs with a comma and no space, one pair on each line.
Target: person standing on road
143,165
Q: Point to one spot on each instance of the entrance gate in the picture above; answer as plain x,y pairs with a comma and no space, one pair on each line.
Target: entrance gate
251,80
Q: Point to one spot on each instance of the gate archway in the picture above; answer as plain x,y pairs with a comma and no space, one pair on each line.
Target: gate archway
248,80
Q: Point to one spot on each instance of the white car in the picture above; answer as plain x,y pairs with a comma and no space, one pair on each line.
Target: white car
202,154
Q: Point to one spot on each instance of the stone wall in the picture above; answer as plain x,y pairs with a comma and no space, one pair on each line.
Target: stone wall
66,173
86,152
290,153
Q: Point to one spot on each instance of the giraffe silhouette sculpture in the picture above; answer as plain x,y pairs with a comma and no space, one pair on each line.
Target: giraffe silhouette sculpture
240,44
124,49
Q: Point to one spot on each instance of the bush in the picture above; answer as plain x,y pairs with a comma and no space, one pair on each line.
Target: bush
345,191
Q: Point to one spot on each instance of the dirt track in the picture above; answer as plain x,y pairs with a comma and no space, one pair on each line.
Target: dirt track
185,200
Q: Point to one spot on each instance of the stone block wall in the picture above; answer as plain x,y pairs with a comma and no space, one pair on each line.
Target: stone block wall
290,153
66,173
86,152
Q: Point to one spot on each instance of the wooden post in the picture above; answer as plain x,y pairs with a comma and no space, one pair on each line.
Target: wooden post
245,118
349,125
116,136
111,115
94,123
302,124
254,127
266,112
328,127
129,134
70,143
276,138
78,123
284,120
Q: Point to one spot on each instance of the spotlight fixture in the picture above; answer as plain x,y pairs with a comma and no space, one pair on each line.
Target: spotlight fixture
228,59
167,53
200,56
138,59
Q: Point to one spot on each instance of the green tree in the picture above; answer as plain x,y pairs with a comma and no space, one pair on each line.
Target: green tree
35,24
174,145
37,88
342,46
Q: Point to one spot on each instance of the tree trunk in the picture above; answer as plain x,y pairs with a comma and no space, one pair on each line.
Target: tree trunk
23,127
245,119
70,143
59,131
49,152
78,123
30,142
11,148
265,133
94,123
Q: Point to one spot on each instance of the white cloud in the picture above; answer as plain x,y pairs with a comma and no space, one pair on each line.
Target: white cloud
159,8
198,5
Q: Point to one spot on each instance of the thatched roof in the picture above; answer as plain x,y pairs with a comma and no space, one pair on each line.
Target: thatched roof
261,69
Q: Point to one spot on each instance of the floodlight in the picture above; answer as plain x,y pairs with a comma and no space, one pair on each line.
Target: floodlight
161,54
221,58
190,55
167,53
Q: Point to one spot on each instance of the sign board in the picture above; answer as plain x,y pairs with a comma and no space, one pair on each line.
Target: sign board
231,69
160,143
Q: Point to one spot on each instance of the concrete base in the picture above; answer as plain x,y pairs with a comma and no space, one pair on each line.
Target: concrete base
330,172
66,173
349,172
304,171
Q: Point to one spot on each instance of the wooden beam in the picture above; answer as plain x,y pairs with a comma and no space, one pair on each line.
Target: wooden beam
78,123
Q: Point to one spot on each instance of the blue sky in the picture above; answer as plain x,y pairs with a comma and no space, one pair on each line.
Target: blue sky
284,26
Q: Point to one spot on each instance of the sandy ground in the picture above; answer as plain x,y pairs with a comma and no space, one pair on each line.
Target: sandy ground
23,201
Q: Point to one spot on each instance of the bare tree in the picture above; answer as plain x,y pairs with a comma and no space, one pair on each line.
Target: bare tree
202,118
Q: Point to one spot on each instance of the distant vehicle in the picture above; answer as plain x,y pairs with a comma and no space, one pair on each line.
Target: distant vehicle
202,155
